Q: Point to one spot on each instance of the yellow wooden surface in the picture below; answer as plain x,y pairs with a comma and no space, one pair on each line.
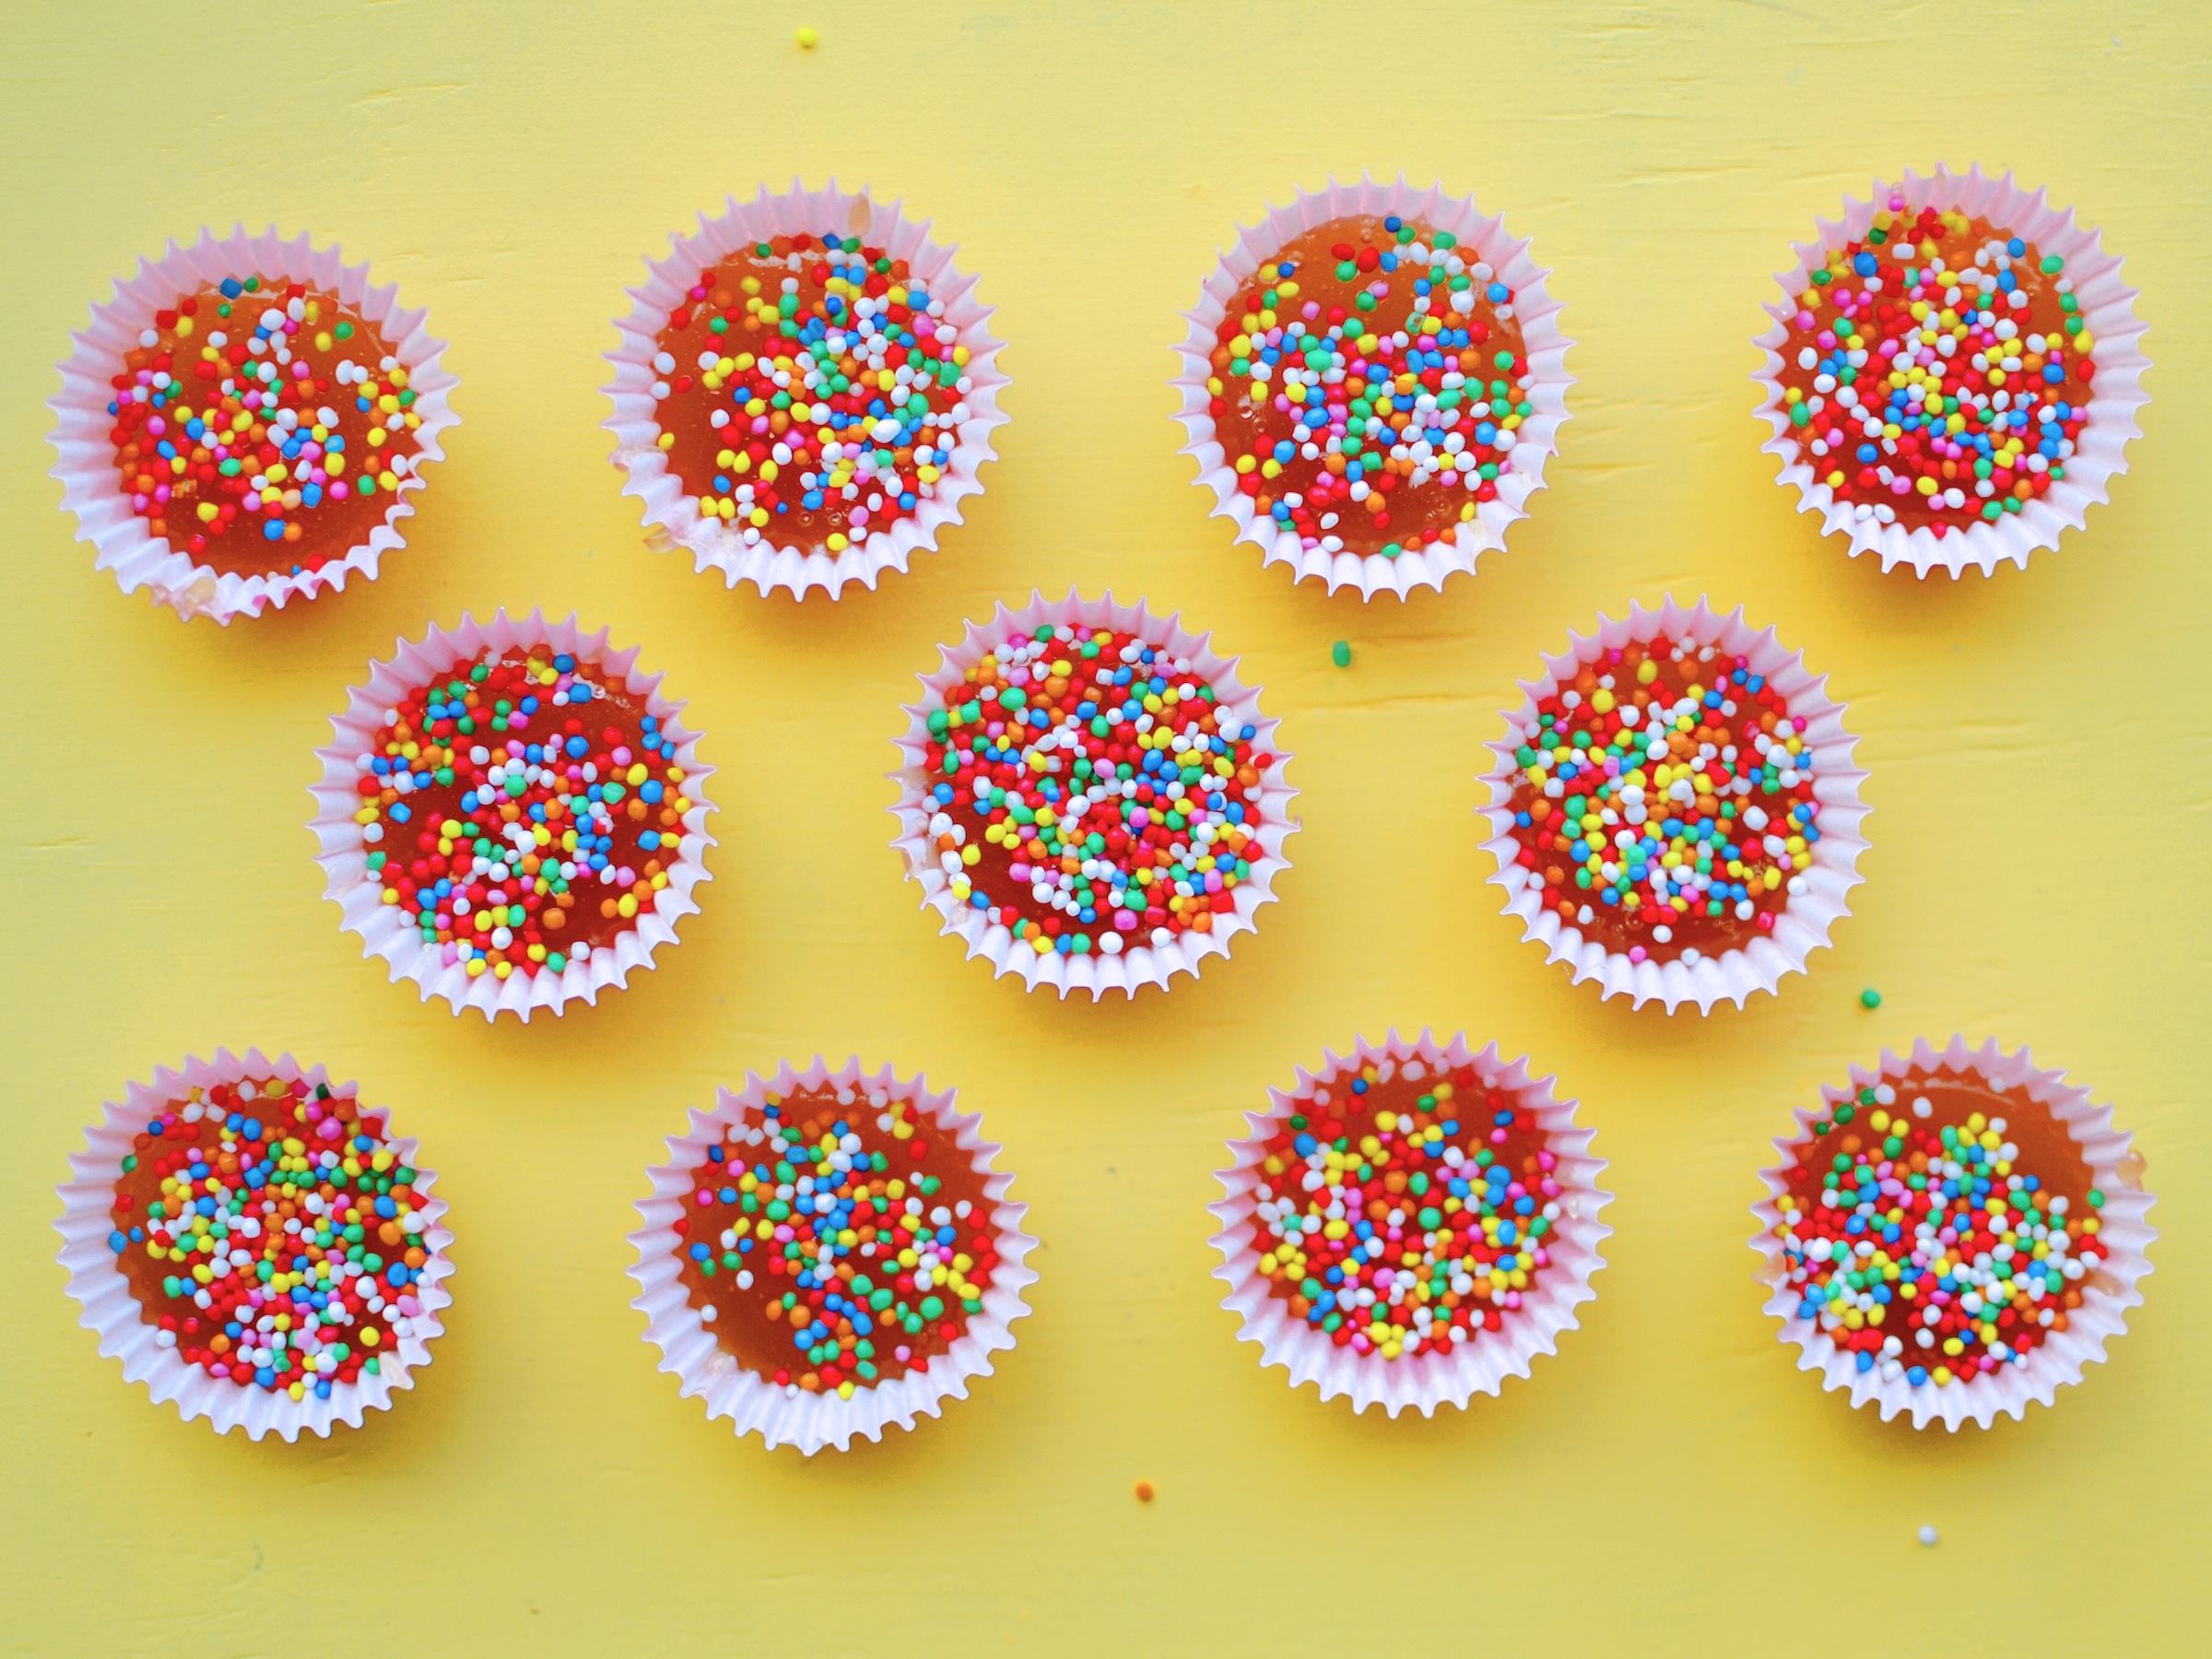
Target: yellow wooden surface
1669,1480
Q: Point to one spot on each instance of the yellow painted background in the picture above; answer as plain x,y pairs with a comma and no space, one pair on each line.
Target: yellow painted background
1669,1480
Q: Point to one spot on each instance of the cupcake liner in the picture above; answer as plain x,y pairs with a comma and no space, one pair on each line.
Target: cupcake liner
110,1308
1533,308
87,468
2107,304
671,517
1430,1380
1140,964
789,1416
1803,927
344,852
2124,1233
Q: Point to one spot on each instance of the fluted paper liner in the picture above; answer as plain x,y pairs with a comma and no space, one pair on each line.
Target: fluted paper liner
1534,308
91,488
110,1308
1802,927
671,516
1141,964
344,854
1428,1380
2124,1235
2108,306
790,1415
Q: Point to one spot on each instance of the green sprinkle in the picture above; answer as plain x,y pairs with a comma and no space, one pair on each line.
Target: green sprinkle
1870,999
1341,653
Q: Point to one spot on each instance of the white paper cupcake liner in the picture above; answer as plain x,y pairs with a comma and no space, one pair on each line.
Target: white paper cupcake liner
90,487
2123,1234
1140,964
671,517
2107,307
1534,308
1803,927
1430,1380
344,854
110,1308
790,1415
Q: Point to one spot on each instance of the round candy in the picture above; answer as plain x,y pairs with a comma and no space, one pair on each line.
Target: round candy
1937,1227
269,1232
1089,793
810,392
1665,799
263,427
521,811
1406,1210
1939,370
1368,384
832,1240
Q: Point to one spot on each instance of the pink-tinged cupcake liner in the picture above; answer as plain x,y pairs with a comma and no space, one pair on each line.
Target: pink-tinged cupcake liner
1428,1380
344,851
671,517
1139,964
1802,927
2123,1234
110,1308
790,1415
1534,308
90,487
2107,307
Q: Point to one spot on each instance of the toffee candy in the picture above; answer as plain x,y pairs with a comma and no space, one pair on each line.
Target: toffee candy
242,421
1091,798
828,1254
1954,1234
1676,810
1953,374
512,814
256,1245
1410,1224
1372,382
804,392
